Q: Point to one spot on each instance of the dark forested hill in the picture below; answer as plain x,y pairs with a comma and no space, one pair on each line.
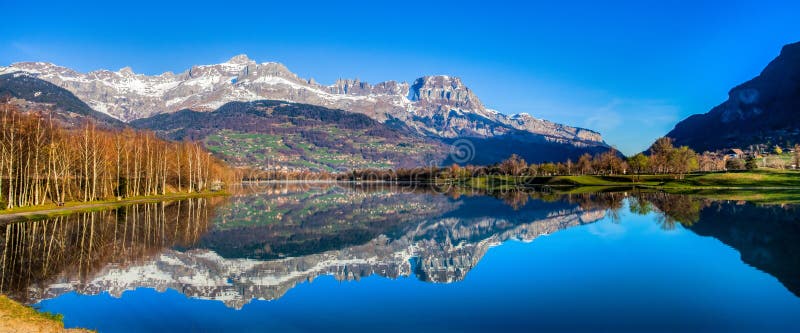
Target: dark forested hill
31,93
281,134
764,110
301,136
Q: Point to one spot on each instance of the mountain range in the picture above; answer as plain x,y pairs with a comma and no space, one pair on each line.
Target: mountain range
262,114
760,111
438,110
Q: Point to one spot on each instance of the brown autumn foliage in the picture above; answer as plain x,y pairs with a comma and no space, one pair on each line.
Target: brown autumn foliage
42,162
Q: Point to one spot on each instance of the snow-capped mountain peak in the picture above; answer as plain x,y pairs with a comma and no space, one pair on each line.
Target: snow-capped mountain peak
126,71
241,59
436,105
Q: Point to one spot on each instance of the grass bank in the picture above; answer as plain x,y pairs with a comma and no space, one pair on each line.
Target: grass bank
763,179
50,210
15,317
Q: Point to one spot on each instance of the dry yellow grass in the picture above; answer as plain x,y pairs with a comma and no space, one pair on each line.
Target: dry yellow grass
17,318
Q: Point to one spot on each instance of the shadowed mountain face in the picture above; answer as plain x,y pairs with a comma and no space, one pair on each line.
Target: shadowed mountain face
760,111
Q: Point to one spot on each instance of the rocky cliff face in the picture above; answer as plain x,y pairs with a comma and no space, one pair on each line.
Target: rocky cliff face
760,111
440,106
444,93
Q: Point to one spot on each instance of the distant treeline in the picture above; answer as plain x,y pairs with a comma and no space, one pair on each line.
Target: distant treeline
41,162
661,158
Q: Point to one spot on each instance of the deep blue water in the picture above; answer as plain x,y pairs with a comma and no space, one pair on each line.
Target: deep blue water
629,272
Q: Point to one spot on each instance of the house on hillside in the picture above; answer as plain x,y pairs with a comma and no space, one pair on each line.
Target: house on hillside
734,153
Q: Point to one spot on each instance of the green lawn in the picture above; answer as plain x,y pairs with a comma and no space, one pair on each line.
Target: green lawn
762,178
763,186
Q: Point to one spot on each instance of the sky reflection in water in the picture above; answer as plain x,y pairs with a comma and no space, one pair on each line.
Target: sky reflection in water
626,273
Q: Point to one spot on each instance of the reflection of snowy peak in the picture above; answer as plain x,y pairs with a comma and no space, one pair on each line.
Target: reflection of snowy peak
440,251
440,105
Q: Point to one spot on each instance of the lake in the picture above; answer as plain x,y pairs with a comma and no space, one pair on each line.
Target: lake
366,258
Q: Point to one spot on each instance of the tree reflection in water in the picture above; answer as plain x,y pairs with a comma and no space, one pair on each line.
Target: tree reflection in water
672,209
265,239
77,245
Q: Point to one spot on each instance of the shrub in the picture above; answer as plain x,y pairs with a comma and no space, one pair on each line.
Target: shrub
751,164
735,164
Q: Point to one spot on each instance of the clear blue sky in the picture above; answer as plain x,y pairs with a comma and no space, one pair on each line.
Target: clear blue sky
629,69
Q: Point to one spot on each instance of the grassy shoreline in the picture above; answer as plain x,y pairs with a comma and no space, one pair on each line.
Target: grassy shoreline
50,210
15,317
758,179
695,183
760,186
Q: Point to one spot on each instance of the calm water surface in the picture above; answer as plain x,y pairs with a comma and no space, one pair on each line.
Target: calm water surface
344,258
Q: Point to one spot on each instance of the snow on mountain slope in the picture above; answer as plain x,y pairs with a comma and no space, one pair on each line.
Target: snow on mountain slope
439,106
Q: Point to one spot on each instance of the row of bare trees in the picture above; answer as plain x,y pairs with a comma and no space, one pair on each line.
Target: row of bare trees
41,162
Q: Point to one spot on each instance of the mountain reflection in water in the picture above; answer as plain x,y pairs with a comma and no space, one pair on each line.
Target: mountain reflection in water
264,240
